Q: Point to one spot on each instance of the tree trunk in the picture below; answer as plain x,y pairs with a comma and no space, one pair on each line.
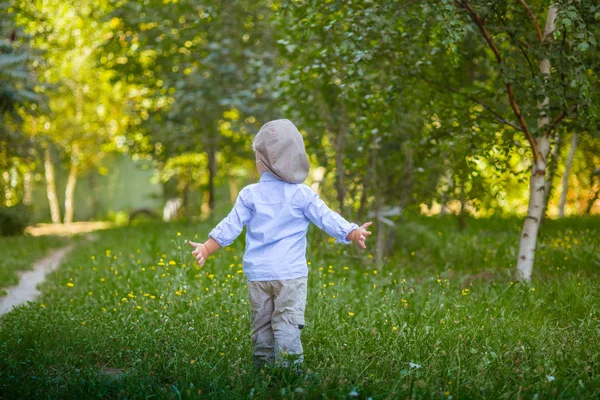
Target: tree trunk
51,188
74,168
535,211
537,184
337,131
552,173
27,188
407,176
70,193
565,177
380,234
362,201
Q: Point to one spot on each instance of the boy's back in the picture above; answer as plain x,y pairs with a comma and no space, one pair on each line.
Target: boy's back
277,215
277,211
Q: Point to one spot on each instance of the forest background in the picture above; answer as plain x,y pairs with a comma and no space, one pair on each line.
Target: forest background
431,107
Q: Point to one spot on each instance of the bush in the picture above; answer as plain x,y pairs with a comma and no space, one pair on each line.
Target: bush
14,220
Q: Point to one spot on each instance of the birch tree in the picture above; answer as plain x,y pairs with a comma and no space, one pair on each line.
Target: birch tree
556,90
85,111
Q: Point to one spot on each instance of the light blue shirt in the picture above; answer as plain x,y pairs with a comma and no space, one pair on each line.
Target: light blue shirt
277,215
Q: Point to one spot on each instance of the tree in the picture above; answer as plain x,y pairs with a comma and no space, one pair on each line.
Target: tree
511,32
84,113
18,99
201,68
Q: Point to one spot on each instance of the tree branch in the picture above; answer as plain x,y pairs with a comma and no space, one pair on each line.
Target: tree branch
486,35
528,61
509,90
535,23
518,42
496,114
559,118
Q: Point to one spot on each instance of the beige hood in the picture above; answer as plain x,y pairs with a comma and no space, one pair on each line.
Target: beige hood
280,147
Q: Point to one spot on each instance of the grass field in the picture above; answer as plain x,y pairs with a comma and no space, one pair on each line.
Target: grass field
130,316
19,253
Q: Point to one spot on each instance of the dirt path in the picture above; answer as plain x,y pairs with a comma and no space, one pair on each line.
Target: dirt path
27,290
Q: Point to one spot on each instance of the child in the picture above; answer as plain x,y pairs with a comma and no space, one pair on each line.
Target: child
277,211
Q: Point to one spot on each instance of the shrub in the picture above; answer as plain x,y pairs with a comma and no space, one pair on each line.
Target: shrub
14,220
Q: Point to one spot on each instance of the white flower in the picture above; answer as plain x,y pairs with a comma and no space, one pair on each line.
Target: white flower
550,378
353,393
413,365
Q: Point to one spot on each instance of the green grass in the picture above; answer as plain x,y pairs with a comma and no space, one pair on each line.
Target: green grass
130,316
20,252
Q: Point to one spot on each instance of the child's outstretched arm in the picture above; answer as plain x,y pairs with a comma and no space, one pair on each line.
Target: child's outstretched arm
203,250
331,222
225,232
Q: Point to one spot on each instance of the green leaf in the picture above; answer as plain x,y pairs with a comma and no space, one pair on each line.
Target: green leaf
583,46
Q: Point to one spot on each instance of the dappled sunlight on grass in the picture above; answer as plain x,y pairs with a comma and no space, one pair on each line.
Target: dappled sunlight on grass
71,229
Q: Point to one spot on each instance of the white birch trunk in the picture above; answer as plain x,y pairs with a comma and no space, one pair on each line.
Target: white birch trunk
75,157
51,188
537,185
565,177
27,188
70,194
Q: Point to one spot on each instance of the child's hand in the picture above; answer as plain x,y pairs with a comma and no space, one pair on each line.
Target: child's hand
360,235
203,250
200,252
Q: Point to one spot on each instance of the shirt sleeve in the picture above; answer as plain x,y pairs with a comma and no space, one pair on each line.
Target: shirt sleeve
326,219
230,228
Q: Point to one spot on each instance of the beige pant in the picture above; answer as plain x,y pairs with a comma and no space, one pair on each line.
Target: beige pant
277,319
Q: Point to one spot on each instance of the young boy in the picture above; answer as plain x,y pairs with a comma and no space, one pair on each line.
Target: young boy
277,211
